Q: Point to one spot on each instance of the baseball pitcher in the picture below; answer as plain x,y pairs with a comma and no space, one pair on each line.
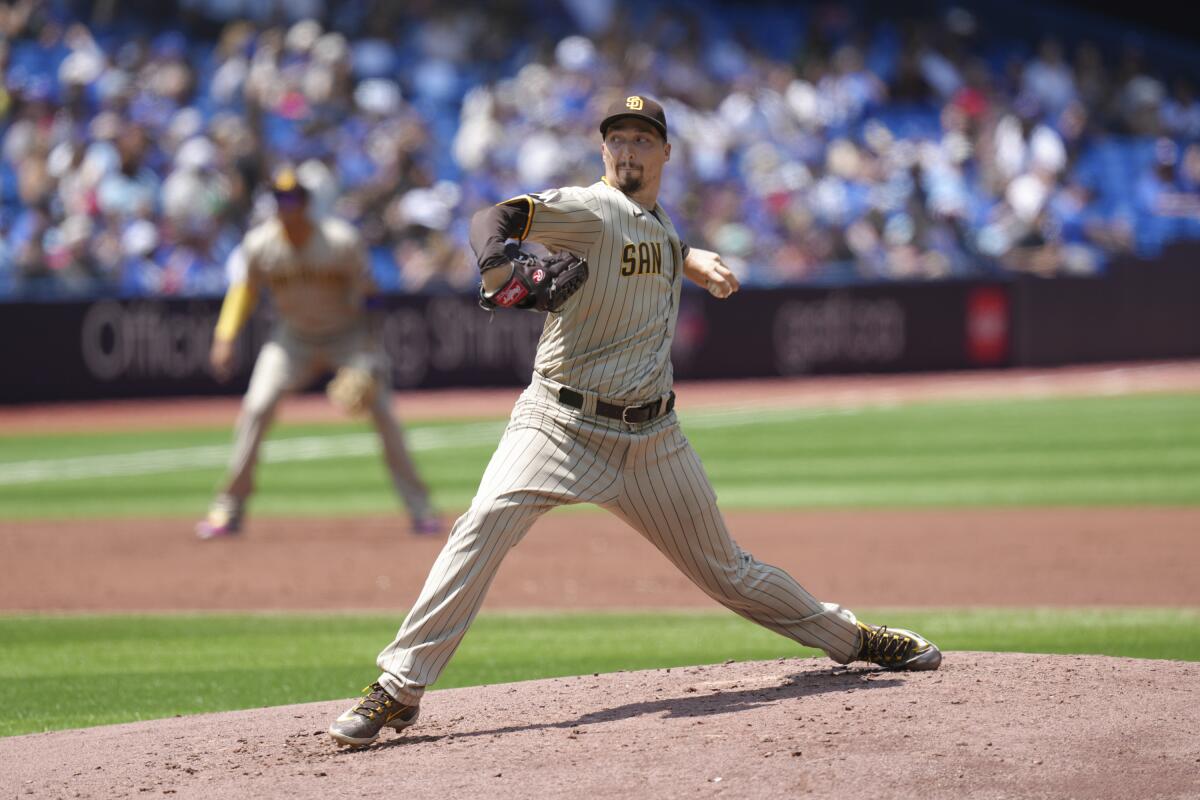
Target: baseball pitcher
597,424
316,271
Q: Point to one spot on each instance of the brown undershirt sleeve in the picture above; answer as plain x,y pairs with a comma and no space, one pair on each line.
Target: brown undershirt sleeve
491,227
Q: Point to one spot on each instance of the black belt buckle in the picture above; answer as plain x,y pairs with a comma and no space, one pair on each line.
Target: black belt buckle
653,410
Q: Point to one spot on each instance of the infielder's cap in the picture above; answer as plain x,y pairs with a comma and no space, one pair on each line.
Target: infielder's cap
285,182
639,106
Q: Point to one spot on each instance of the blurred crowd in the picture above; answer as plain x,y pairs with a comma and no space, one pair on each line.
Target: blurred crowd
810,144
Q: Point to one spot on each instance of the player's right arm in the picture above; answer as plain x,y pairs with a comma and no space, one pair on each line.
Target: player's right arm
240,299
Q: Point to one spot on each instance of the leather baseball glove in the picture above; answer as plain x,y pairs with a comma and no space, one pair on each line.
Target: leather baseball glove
538,284
352,390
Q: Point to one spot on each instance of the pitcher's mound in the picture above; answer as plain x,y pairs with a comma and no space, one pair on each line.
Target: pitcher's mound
985,725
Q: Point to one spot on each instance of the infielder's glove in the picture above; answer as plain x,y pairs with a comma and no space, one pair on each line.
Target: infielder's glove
352,390
539,284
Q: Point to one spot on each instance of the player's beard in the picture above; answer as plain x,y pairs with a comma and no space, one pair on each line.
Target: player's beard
629,180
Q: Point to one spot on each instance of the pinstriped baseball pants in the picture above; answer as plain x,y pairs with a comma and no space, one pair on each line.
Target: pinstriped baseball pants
287,363
649,476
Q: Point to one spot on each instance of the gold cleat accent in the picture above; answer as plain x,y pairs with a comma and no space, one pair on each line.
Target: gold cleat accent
897,648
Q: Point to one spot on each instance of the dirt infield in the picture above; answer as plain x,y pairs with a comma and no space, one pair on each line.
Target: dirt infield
572,560
984,726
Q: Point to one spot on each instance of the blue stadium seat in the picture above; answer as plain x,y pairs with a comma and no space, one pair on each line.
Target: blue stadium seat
384,269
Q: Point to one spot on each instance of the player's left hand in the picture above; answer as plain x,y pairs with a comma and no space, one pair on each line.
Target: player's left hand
706,269
538,284
352,390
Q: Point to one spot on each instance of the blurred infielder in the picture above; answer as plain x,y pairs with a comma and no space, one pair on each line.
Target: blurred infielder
597,424
316,270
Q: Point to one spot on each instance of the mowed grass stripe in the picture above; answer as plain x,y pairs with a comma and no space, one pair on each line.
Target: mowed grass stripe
994,424
111,454
293,448
66,672
1081,451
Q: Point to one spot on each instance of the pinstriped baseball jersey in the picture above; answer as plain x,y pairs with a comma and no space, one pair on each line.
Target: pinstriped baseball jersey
597,425
318,289
611,342
613,337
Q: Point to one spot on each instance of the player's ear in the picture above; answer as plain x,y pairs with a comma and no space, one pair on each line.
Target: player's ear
666,151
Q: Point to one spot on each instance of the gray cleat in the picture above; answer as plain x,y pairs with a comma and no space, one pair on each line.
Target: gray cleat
897,648
361,724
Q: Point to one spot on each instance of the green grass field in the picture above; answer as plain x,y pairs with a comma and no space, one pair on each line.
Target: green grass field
64,672
61,672
1131,450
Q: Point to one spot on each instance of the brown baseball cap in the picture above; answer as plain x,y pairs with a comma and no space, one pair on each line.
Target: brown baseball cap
635,105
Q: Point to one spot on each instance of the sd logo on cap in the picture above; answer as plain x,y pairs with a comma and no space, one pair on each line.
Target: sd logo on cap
639,106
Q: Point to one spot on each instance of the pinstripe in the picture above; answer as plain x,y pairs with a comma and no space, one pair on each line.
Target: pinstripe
506,454
506,506
612,339
618,358
628,297
677,524
643,512
464,613
602,253
596,322
696,479
695,482
595,466
619,290
718,543
747,605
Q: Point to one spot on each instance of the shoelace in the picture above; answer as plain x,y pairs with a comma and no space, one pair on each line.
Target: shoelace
376,700
883,645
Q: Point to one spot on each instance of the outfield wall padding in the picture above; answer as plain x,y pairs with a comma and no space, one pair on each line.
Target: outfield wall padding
136,348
